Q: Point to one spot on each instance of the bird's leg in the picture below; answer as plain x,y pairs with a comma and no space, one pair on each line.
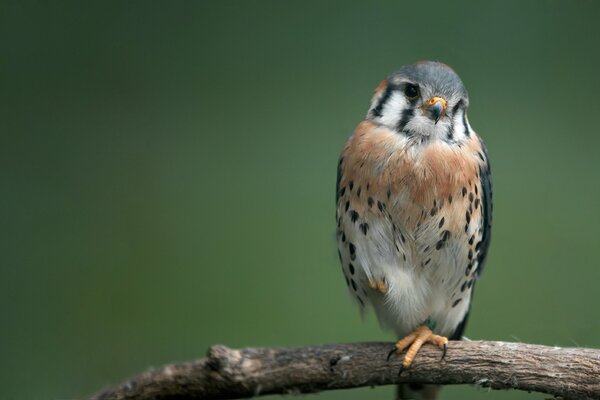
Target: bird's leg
379,285
414,341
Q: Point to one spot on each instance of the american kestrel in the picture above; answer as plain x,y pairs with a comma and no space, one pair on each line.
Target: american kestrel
414,207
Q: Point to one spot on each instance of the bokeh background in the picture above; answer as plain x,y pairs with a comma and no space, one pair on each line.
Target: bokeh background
168,171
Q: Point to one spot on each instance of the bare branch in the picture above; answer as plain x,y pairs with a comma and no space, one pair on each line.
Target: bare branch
572,373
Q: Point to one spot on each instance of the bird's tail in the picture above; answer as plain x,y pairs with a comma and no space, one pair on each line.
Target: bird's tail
417,391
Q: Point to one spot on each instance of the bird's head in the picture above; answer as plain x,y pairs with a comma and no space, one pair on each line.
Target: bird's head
422,100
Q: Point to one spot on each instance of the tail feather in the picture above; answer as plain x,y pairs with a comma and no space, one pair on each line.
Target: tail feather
417,391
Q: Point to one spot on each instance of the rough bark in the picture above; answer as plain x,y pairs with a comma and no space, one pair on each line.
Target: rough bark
571,373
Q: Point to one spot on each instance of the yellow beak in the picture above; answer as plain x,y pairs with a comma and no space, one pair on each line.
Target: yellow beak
436,106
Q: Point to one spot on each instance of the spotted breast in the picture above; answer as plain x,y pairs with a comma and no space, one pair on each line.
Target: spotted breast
411,226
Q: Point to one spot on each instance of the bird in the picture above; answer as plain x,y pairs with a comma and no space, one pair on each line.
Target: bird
414,210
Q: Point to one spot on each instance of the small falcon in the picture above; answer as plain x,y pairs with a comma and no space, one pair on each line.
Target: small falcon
414,209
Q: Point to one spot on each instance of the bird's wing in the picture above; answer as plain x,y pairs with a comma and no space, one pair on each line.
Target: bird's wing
485,176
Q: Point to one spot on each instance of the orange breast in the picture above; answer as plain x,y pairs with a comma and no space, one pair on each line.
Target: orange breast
417,178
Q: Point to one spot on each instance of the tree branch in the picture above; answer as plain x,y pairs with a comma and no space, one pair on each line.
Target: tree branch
572,373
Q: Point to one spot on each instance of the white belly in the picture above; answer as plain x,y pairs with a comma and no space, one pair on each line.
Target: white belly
424,283
412,300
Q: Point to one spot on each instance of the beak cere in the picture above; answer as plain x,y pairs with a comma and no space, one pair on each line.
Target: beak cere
436,107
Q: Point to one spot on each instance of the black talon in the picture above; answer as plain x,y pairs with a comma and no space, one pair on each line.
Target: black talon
401,369
390,353
444,353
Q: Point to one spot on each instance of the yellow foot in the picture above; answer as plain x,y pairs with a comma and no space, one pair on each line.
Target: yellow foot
378,285
414,341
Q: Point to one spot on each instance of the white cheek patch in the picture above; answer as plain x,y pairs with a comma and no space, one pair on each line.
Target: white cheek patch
460,130
392,111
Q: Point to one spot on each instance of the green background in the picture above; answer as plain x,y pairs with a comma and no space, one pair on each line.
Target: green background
167,176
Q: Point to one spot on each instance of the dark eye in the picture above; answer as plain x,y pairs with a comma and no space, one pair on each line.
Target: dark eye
411,91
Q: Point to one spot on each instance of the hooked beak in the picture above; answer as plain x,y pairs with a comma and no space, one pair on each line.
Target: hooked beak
436,107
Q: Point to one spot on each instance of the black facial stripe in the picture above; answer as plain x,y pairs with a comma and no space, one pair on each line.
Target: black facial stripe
457,107
467,133
450,134
382,100
406,116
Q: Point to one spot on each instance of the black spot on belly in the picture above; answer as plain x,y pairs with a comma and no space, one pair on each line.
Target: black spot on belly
351,185
352,249
441,222
468,270
450,199
443,239
463,286
464,191
342,191
351,268
353,284
370,201
364,227
347,206
358,191
445,235
353,215
343,237
456,303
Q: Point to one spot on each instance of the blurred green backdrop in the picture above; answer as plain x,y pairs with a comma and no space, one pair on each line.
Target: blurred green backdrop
168,176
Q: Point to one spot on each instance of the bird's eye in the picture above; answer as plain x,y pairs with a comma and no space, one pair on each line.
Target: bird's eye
411,91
